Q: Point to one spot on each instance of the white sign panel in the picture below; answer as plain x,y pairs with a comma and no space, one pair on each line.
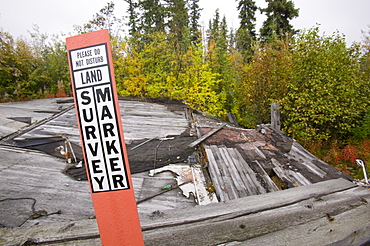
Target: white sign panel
98,119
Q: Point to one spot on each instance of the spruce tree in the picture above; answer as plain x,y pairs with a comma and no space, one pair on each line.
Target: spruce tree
279,13
133,16
246,33
152,17
219,58
178,23
194,21
213,31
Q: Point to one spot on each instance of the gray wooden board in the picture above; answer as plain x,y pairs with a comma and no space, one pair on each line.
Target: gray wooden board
283,175
246,218
235,177
254,204
81,232
215,175
242,227
347,228
205,136
249,174
32,174
220,173
271,186
291,217
168,200
306,159
141,120
248,183
225,174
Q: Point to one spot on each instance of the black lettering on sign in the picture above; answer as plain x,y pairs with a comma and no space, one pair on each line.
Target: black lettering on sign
108,128
96,166
118,180
79,63
99,181
110,145
84,53
91,76
114,164
103,96
98,119
106,113
93,150
90,132
84,95
94,60
86,118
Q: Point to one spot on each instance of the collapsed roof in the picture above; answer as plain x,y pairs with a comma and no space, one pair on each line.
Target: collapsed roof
239,162
226,163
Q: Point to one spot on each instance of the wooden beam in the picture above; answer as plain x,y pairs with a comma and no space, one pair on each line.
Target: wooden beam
205,136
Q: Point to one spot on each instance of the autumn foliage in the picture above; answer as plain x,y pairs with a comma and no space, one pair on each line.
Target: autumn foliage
321,83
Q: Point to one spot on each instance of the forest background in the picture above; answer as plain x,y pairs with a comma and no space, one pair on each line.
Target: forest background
321,84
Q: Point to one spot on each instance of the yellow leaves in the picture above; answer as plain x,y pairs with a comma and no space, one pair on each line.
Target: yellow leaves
156,70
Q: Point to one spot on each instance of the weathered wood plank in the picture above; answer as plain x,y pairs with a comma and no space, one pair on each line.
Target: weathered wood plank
347,228
296,179
230,188
299,177
256,149
254,186
271,185
205,136
218,183
246,218
275,116
235,176
306,159
35,175
295,215
249,187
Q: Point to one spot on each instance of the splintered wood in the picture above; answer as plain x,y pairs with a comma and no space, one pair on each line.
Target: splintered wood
190,180
232,176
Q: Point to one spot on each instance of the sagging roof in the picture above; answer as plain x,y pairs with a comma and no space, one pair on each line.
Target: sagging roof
240,162
244,162
240,171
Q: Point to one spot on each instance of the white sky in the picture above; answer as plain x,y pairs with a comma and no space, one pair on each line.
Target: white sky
59,16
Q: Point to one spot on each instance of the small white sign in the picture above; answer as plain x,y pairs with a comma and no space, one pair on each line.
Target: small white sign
89,57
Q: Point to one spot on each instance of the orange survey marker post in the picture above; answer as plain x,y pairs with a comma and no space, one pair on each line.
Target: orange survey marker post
102,139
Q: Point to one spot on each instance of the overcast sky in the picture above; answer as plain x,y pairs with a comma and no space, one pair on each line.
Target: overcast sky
59,16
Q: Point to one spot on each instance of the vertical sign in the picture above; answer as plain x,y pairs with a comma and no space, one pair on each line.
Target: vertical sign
102,138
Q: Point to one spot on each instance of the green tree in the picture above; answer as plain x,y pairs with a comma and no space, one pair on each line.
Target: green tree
152,16
129,68
56,66
144,70
219,59
365,59
195,12
132,16
8,69
199,83
32,69
264,81
156,70
277,24
178,22
246,33
213,31
327,94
